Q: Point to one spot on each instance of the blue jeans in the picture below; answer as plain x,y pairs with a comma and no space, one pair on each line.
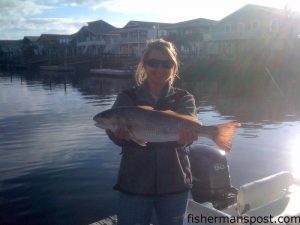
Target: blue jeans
138,210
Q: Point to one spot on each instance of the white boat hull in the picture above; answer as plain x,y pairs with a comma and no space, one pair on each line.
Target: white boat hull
270,199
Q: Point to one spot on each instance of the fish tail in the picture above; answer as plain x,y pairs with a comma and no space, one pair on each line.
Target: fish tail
224,134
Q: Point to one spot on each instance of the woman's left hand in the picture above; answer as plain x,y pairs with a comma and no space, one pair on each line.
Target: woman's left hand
187,136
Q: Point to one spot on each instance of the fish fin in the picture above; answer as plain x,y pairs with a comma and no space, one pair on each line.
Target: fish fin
224,135
172,113
181,116
138,141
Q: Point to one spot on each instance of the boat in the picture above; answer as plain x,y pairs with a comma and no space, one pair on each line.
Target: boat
56,68
215,201
113,73
271,199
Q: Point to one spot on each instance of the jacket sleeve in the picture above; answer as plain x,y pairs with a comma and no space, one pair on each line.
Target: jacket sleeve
186,105
122,100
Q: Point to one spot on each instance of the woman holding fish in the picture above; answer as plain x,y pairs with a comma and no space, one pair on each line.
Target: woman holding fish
155,173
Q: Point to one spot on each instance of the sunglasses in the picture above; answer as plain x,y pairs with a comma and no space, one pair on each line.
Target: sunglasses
156,63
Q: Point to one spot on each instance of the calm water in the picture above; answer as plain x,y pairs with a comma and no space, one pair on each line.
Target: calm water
58,168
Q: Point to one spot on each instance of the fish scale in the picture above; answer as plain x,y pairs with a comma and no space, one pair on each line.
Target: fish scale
156,127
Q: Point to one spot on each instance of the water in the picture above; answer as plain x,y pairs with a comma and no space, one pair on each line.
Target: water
58,168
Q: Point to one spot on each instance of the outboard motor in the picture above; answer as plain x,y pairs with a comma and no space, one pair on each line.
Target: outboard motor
211,179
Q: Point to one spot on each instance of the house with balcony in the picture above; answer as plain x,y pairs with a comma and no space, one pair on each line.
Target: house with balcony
253,27
191,37
135,34
112,41
91,39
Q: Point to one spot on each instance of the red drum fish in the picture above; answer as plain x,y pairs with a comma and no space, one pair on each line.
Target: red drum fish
148,125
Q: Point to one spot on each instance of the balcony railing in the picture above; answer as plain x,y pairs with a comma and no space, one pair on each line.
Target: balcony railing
90,43
134,40
237,35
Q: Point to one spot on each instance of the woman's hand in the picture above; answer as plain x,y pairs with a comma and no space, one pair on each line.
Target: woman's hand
187,136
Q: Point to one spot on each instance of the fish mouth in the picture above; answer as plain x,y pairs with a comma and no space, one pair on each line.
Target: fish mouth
95,118
98,125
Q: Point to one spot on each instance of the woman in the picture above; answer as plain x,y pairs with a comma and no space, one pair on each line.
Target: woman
155,177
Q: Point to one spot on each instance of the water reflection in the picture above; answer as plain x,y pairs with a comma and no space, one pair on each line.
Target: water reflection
58,168
52,156
263,145
270,108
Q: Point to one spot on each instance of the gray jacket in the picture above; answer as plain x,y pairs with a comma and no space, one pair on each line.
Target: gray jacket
158,168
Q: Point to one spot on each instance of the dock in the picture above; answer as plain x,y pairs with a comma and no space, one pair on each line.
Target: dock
112,73
112,220
58,68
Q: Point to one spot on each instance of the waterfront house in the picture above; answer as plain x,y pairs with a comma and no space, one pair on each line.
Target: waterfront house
252,26
90,39
191,37
135,34
30,46
112,42
55,45
10,48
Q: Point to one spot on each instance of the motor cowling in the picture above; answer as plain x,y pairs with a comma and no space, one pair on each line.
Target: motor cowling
211,178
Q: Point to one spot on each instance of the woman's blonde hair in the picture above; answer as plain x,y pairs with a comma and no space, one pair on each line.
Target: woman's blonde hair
165,47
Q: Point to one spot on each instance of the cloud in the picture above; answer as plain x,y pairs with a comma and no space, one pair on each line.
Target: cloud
169,10
13,10
19,18
36,26
164,11
55,25
13,14
74,3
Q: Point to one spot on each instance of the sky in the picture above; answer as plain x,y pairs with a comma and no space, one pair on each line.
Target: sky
19,18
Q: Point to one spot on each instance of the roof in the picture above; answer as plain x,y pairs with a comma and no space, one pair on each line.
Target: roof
31,38
10,42
251,9
192,23
100,27
52,37
143,24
